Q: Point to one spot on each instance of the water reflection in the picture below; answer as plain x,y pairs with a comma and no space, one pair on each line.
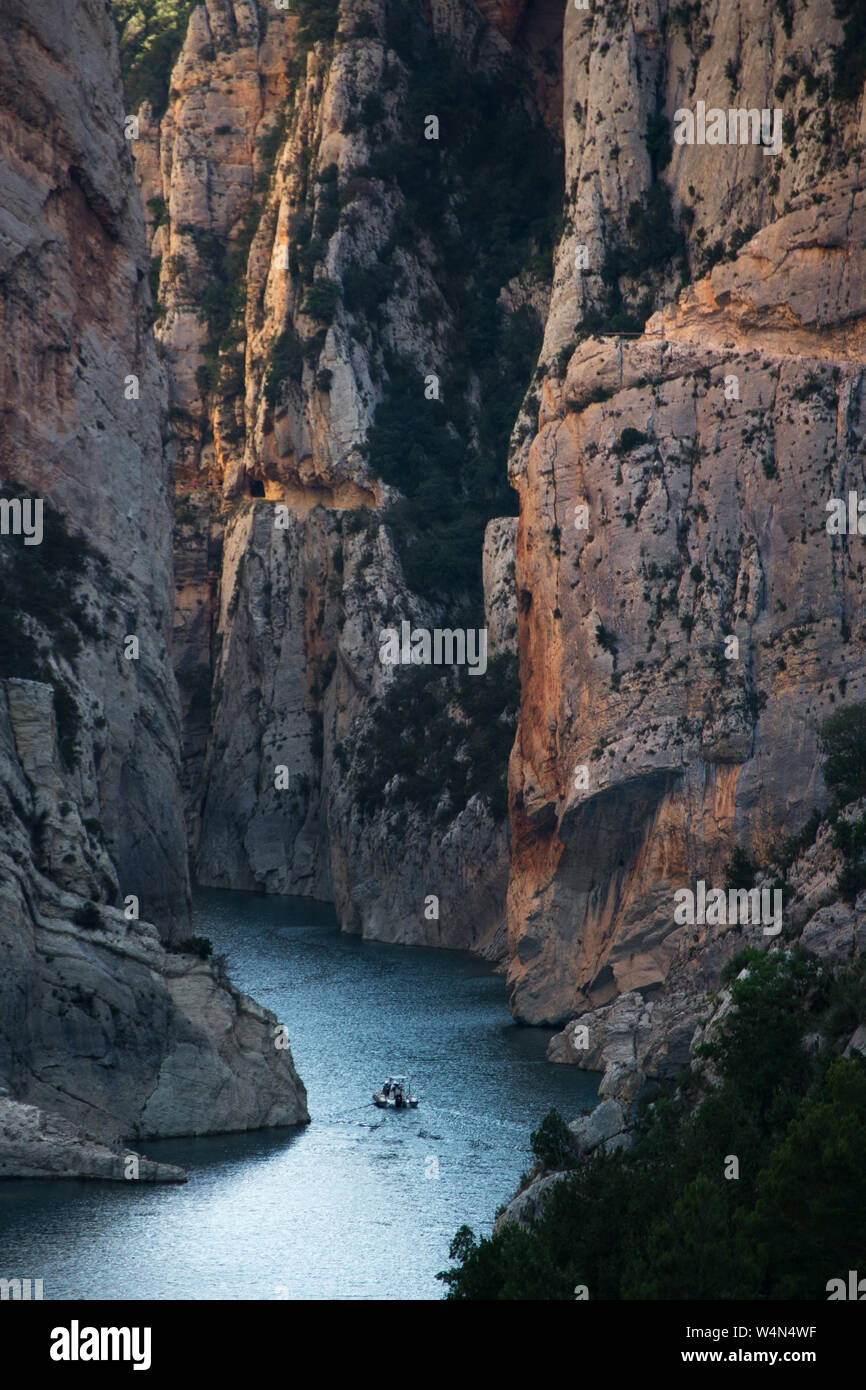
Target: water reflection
360,1204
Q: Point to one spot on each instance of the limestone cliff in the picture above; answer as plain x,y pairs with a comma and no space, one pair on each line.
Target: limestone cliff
100,1022
704,449
305,290
83,402
107,1022
330,265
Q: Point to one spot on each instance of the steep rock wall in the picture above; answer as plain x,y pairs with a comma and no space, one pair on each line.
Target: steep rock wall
74,303
705,449
270,170
100,1023
107,1024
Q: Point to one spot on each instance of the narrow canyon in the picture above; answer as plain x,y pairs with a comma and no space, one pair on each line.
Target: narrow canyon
325,318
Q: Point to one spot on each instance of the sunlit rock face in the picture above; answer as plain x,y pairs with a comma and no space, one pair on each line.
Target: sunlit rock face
698,395
673,497
265,154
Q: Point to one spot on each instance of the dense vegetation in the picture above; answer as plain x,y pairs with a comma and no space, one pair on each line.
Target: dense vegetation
638,262
318,20
41,613
451,462
487,196
447,736
151,37
662,1221
843,743
221,304
849,59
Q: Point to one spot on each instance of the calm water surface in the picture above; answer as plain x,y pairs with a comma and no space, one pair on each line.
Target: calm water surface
350,1206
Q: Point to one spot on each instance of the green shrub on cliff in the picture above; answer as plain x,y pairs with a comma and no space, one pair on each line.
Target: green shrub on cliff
88,915
318,18
551,1142
739,870
843,743
221,302
42,615
200,946
285,363
151,37
321,300
446,737
663,1221
486,196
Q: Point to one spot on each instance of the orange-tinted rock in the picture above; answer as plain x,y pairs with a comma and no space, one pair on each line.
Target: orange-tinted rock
705,451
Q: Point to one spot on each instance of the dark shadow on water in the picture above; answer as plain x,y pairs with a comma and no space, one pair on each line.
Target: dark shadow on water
195,1154
265,909
201,1152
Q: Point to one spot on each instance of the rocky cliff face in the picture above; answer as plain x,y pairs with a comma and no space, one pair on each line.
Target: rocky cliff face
684,619
103,1021
281,184
83,415
100,1022
683,637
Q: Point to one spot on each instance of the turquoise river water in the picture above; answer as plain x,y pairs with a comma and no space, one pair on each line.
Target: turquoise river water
360,1204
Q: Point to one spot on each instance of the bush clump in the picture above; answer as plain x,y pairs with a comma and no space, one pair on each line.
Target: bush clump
849,59
321,300
843,744
39,599
200,946
446,737
630,438
488,197
151,34
318,20
552,1144
285,363
739,870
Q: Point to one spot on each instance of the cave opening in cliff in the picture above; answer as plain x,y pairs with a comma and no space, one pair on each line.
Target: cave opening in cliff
257,487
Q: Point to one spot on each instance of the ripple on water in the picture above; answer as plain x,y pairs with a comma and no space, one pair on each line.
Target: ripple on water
356,1205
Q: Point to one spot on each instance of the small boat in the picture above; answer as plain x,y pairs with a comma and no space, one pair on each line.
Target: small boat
396,1093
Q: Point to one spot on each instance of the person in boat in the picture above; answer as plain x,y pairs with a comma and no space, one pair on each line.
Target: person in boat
386,1089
